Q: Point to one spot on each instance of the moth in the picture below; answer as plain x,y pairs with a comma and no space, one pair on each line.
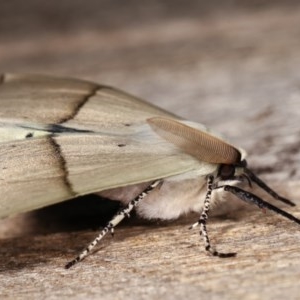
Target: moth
63,138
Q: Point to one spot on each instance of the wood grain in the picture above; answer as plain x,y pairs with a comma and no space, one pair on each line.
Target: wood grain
233,67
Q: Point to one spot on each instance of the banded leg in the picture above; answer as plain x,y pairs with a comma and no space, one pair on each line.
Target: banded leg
125,212
251,198
266,188
203,219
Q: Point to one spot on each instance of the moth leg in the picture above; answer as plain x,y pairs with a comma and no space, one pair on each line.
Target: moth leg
251,198
266,188
203,220
125,212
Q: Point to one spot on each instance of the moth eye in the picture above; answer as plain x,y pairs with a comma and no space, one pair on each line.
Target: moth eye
226,171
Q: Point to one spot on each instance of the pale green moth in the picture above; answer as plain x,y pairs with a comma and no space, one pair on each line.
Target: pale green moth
62,138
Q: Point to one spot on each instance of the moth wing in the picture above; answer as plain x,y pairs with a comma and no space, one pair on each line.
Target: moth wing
52,100
91,138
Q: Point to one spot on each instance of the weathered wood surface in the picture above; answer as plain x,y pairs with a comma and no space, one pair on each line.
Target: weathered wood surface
234,68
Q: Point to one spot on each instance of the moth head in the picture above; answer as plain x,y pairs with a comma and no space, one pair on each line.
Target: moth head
233,174
232,171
